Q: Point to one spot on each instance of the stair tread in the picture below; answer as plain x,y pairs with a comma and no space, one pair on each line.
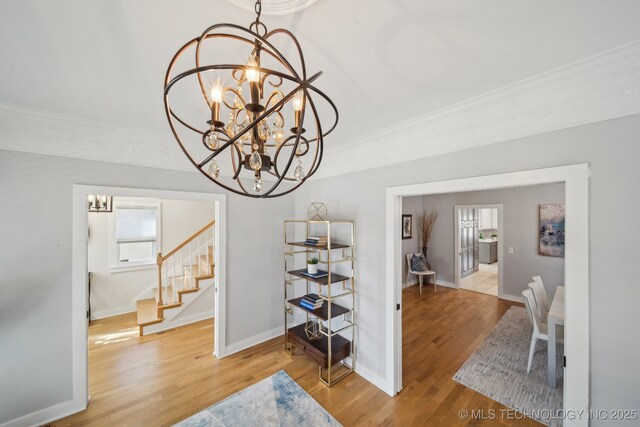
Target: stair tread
147,312
170,305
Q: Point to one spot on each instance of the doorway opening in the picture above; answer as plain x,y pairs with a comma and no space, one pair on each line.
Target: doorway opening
576,260
478,248
132,239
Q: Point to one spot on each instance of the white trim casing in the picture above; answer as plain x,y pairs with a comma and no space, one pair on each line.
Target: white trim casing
80,395
576,179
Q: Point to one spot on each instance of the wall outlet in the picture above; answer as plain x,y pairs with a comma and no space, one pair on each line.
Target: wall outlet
510,250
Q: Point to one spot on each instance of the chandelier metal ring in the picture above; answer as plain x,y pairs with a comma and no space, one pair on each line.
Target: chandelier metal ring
270,150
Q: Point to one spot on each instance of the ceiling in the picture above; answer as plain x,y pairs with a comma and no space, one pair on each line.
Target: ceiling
383,61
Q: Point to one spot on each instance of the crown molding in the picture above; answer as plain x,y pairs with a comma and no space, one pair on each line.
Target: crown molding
274,7
45,132
601,87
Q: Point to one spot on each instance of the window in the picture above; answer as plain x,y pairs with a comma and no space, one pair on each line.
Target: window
137,235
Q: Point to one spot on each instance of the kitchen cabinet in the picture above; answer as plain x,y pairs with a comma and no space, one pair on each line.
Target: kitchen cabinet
488,252
488,219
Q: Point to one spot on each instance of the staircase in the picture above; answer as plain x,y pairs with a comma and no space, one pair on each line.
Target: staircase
181,272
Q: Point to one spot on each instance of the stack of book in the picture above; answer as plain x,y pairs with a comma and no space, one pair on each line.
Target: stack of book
311,301
316,241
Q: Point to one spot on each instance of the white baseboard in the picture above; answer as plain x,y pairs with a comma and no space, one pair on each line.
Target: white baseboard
180,321
46,415
372,377
254,340
446,284
101,314
438,282
510,297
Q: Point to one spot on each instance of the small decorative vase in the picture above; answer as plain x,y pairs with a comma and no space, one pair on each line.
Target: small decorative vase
312,268
424,252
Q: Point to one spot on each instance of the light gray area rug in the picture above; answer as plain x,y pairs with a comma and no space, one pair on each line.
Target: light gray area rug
498,369
274,401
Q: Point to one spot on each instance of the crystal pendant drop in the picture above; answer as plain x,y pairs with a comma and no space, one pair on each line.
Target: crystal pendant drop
255,161
278,134
231,128
246,137
257,185
213,170
299,173
279,122
263,130
211,140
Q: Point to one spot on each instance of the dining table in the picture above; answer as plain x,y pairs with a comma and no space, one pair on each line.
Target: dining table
555,318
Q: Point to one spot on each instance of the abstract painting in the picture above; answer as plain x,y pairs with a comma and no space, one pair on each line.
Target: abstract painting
551,230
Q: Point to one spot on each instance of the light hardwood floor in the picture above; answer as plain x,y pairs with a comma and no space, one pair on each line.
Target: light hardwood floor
161,379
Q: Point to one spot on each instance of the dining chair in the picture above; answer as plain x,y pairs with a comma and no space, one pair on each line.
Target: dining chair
539,327
420,274
540,295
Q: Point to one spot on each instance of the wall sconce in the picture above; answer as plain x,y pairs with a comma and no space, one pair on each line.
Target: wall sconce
98,203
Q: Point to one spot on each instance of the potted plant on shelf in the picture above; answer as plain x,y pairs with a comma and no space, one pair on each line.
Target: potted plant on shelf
312,266
426,220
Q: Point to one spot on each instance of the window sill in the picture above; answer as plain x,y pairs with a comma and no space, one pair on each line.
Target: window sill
133,267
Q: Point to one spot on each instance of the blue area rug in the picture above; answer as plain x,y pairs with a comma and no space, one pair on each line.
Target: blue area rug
274,401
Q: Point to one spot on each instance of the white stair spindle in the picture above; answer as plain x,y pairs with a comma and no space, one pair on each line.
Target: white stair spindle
166,282
174,284
199,259
191,282
182,269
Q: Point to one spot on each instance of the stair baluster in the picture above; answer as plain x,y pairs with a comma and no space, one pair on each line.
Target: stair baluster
182,268
173,298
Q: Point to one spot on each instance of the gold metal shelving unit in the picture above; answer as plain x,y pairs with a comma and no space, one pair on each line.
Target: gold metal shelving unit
334,353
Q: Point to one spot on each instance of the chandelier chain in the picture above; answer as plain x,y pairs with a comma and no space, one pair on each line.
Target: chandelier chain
257,25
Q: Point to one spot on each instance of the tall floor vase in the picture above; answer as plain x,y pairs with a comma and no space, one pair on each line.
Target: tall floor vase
424,252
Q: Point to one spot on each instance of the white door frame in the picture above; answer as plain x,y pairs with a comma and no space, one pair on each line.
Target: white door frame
79,269
456,244
576,346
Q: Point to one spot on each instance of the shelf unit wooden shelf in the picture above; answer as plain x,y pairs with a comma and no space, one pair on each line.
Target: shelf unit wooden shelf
334,351
335,278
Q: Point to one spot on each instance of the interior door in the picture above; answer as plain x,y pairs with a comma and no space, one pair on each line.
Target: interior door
469,241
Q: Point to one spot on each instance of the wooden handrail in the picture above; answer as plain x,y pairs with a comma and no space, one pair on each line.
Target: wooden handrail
162,258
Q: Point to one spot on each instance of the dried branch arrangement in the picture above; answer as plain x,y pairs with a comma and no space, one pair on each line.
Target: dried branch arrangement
426,220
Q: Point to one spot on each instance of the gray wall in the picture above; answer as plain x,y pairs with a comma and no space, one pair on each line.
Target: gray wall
520,228
612,150
35,279
35,267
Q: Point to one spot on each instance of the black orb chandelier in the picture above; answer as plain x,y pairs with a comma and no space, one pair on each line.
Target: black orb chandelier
254,113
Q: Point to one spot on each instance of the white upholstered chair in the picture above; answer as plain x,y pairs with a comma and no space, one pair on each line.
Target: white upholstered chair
539,327
420,274
540,295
